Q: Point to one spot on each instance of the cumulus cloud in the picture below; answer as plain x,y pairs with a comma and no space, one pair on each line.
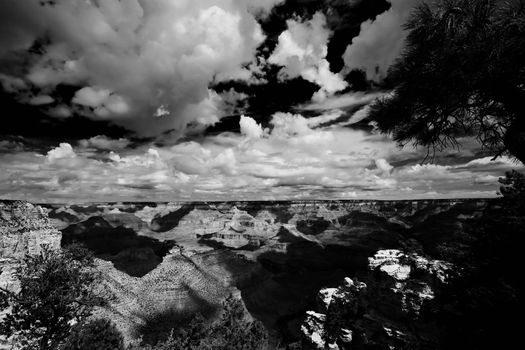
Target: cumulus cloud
133,58
380,41
302,50
64,150
383,166
288,124
250,128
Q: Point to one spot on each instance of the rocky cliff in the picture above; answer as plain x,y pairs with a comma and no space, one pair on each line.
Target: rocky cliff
277,254
24,229
161,262
382,313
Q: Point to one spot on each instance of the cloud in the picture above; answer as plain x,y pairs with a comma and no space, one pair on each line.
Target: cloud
41,100
302,50
250,128
64,150
288,124
91,97
133,58
380,41
296,157
504,161
104,143
347,100
383,166
60,111
261,7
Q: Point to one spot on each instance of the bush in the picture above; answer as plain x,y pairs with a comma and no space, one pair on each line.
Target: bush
99,334
55,293
231,332
479,306
234,332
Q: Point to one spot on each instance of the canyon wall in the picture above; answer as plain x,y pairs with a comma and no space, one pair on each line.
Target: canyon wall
160,262
277,255
24,229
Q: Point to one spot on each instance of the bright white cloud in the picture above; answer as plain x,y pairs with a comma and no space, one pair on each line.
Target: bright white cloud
383,166
302,50
64,150
250,128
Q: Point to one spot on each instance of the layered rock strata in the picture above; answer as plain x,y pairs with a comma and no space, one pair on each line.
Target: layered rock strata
24,229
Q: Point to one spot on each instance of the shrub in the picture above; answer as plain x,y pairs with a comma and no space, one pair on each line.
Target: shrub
55,293
99,334
231,332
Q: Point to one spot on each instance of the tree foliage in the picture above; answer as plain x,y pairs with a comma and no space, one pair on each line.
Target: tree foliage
55,293
231,332
478,307
100,334
462,73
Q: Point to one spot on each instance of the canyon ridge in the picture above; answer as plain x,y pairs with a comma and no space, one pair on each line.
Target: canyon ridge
287,261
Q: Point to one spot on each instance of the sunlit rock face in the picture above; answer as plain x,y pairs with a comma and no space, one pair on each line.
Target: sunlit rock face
411,278
182,284
24,229
384,312
347,298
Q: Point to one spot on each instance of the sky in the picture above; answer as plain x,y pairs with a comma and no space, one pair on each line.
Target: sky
211,100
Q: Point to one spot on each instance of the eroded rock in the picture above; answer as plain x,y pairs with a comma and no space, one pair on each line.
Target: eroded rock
411,278
24,229
384,312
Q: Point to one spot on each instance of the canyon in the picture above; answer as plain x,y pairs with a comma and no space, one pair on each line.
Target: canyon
162,262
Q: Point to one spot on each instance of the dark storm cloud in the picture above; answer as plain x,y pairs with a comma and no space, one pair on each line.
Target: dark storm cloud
139,64
342,21
147,66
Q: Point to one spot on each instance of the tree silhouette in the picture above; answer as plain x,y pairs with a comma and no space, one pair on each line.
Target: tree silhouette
462,73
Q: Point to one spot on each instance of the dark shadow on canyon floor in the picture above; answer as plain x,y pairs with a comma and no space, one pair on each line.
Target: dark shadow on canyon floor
285,285
133,254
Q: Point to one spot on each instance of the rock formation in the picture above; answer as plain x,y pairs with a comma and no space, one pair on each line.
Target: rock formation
184,283
349,297
384,312
407,279
277,254
24,229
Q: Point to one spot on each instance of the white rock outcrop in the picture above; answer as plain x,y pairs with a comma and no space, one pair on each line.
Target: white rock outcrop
400,267
313,327
377,313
